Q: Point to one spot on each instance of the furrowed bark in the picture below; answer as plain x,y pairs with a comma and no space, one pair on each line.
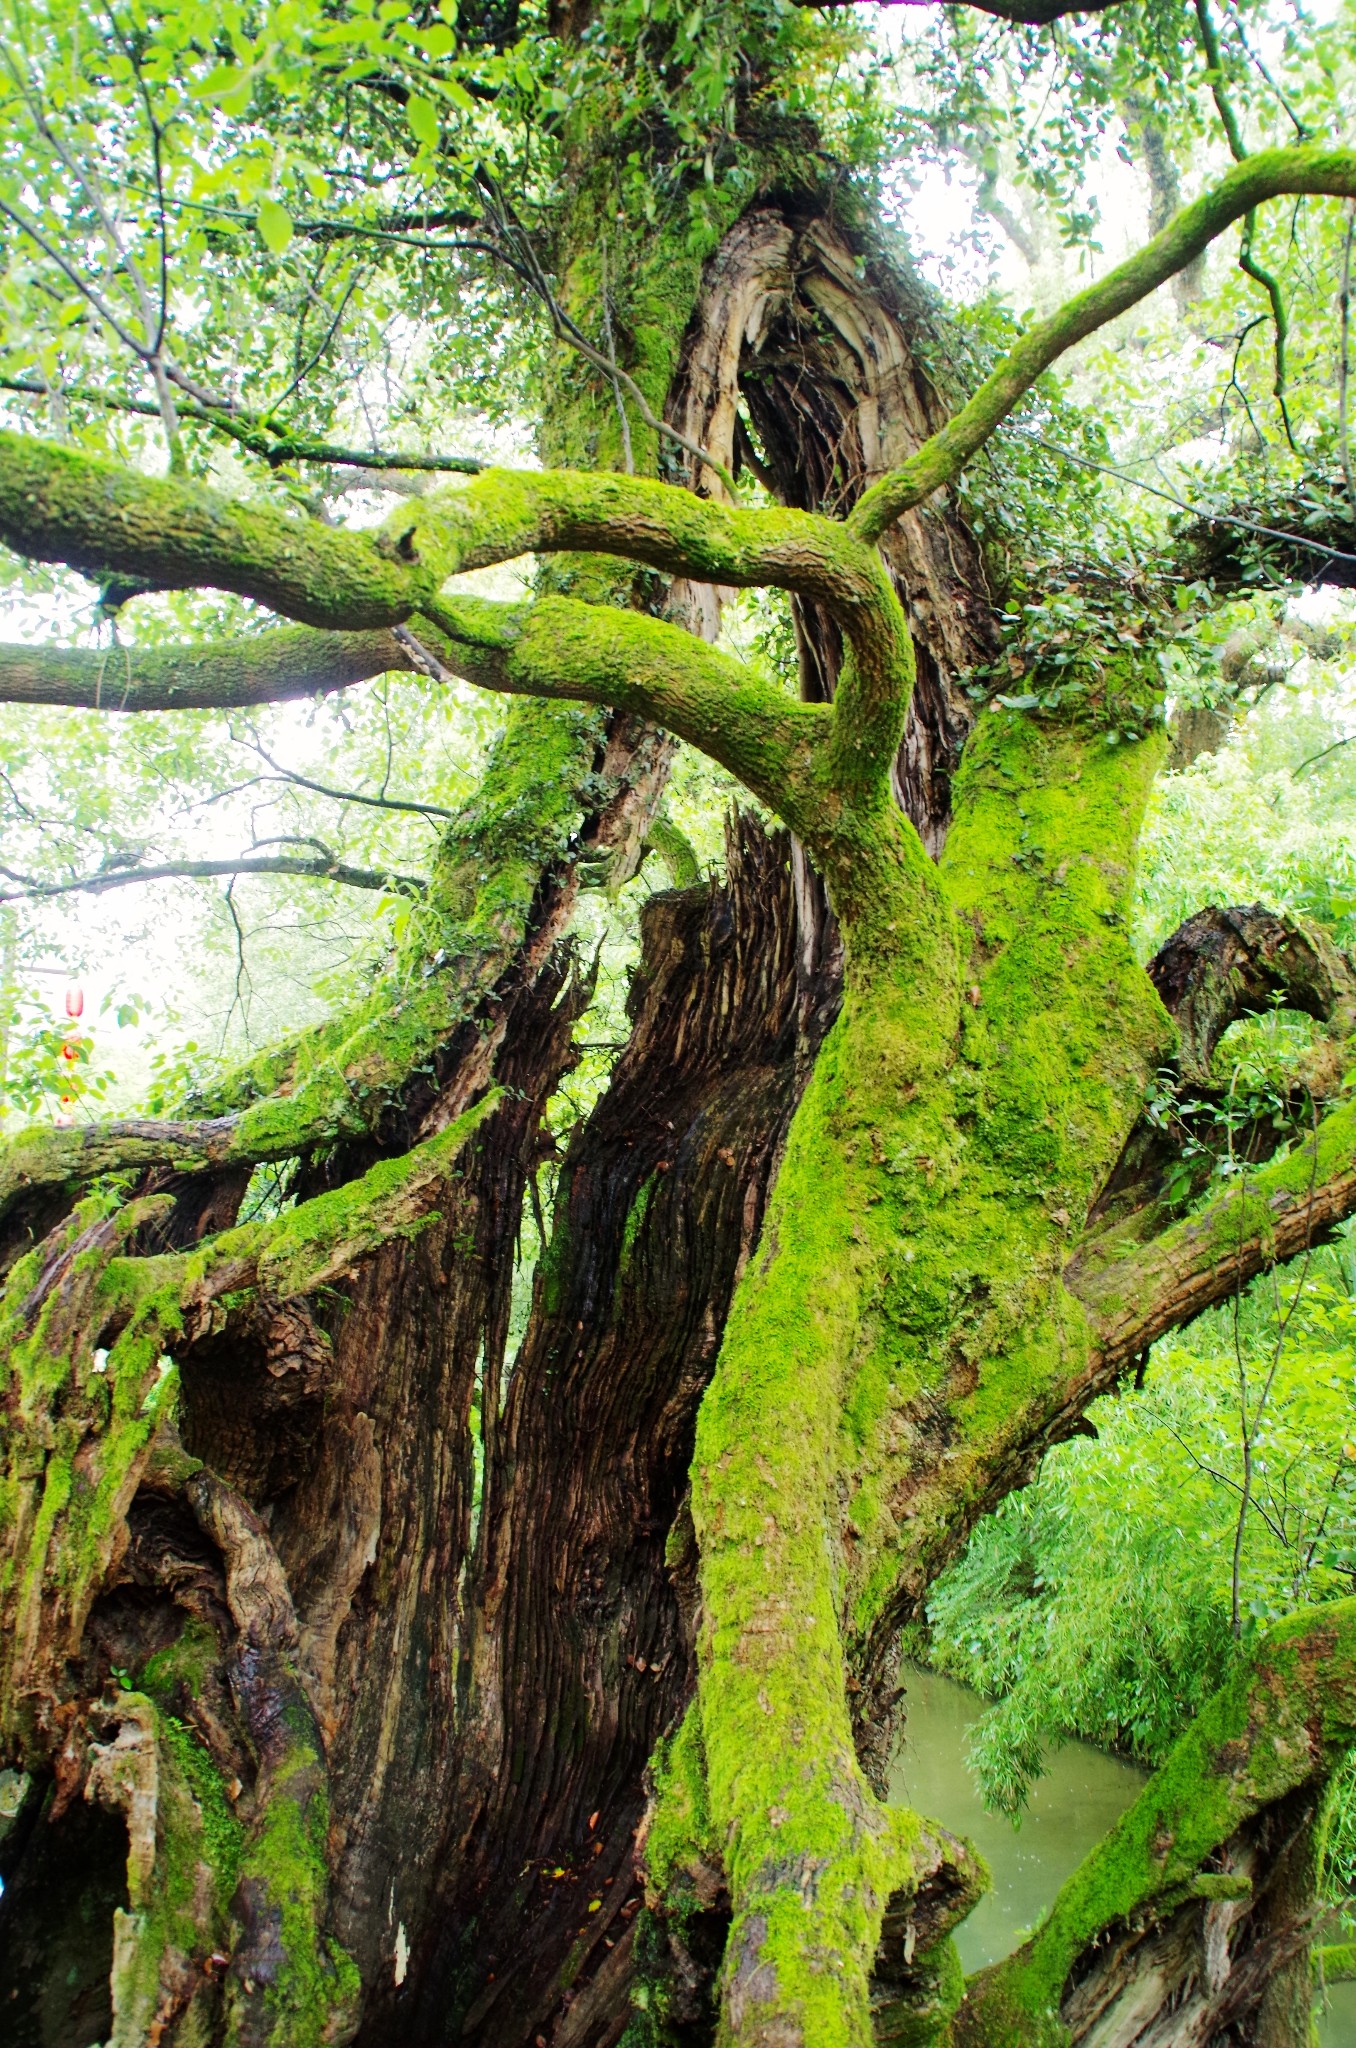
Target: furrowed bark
833,346
326,1367
580,1650
352,1433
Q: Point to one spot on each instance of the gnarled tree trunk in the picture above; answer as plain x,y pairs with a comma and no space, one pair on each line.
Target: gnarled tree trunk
374,1686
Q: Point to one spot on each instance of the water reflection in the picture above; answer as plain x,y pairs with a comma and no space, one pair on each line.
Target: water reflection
1081,1795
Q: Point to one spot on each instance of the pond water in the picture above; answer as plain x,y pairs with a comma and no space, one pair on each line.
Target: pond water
1082,1793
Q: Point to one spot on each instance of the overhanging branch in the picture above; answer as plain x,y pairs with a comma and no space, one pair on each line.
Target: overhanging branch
270,668
1137,1293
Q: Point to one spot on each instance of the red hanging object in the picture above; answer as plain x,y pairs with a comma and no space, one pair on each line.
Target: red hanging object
75,1000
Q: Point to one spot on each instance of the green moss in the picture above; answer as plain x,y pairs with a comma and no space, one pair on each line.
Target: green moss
285,1858
906,1295
1284,1719
635,1220
676,852
934,1998
81,1427
180,1875
680,1830
324,1236
787,1798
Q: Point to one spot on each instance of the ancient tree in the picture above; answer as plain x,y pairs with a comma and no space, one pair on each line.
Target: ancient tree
369,1691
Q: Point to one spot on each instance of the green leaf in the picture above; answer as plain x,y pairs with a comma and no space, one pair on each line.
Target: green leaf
422,116
275,226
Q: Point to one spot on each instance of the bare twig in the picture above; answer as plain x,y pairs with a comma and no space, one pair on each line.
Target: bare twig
30,889
422,658
1302,129
1233,519
1322,755
347,796
239,999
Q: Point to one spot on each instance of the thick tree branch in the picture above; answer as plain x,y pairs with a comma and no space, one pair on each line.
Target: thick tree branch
1136,1293
268,669
1258,178
56,505
40,1158
559,647
1282,1723
59,506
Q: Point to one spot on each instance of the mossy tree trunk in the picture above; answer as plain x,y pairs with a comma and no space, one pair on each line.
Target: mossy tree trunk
369,1640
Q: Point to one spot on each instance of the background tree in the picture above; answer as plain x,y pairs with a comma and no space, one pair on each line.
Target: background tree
408,1677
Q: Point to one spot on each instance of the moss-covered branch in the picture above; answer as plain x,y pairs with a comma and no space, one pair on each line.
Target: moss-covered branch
42,1158
269,668
62,506
1268,175
558,647
1137,1292
57,505
1283,1721
81,1319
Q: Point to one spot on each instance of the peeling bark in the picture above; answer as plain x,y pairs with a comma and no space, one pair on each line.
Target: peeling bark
580,1649
836,351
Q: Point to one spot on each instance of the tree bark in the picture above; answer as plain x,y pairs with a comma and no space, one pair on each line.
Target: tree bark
375,1697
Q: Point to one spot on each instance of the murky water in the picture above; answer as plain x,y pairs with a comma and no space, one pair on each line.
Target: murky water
1081,1795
